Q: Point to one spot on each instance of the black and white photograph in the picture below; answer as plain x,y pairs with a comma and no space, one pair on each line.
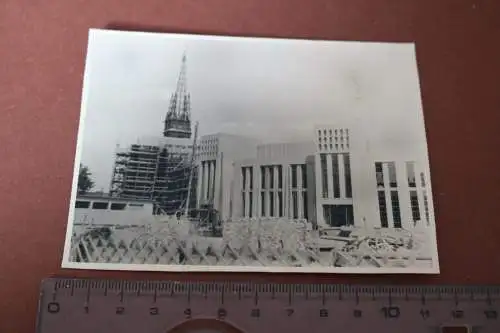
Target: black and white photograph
238,154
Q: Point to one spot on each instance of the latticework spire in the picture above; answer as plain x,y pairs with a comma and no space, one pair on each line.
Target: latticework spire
178,121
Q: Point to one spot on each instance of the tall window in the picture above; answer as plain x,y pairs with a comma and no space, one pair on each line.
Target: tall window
250,170
271,204
295,205
379,172
382,206
426,207
209,183
280,176
243,176
392,174
324,176
347,172
243,204
415,210
396,211
280,204
250,204
271,177
422,179
294,175
262,177
262,203
305,205
304,175
410,174
212,178
336,176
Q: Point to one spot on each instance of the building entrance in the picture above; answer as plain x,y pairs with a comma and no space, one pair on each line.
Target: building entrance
338,215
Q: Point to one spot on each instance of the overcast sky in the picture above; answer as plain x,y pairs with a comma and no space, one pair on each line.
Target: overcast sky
276,90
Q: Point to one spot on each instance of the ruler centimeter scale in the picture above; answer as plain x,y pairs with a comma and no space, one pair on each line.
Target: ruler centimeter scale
88,305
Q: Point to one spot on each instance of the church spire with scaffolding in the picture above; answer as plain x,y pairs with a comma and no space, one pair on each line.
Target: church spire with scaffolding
178,120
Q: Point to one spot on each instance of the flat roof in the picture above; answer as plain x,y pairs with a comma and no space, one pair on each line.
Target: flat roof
110,199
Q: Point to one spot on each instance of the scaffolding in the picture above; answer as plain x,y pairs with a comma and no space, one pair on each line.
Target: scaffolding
164,173
154,173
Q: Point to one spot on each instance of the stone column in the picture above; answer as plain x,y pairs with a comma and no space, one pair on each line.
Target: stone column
256,189
268,191
390,217
299,192
199,184
218,195
329,175
318,191
205,182
275,193
340,158
247,192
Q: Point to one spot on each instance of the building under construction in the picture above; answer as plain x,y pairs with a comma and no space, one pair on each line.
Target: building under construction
162,169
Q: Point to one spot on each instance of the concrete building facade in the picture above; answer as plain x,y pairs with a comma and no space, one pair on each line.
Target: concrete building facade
402,194
278,182
216,156
311,180
334,206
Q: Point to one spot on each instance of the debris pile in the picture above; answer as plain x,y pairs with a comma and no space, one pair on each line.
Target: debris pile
387,243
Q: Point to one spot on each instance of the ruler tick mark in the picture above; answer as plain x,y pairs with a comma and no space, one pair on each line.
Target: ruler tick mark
87,297
488,297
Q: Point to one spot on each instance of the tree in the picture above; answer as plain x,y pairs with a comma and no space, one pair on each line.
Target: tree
85,182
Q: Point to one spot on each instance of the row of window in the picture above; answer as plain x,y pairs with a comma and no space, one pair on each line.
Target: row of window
337,146
271,176
333,132
391,166
207,190
335,175
396,211
102,205
268,207
331,139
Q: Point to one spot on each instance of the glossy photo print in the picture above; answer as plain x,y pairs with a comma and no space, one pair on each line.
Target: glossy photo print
205,153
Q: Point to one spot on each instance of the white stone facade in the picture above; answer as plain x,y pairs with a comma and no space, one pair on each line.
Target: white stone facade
325,181
333,176
402,194
215,158
278,182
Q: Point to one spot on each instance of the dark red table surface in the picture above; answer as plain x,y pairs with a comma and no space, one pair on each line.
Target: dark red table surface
42,53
